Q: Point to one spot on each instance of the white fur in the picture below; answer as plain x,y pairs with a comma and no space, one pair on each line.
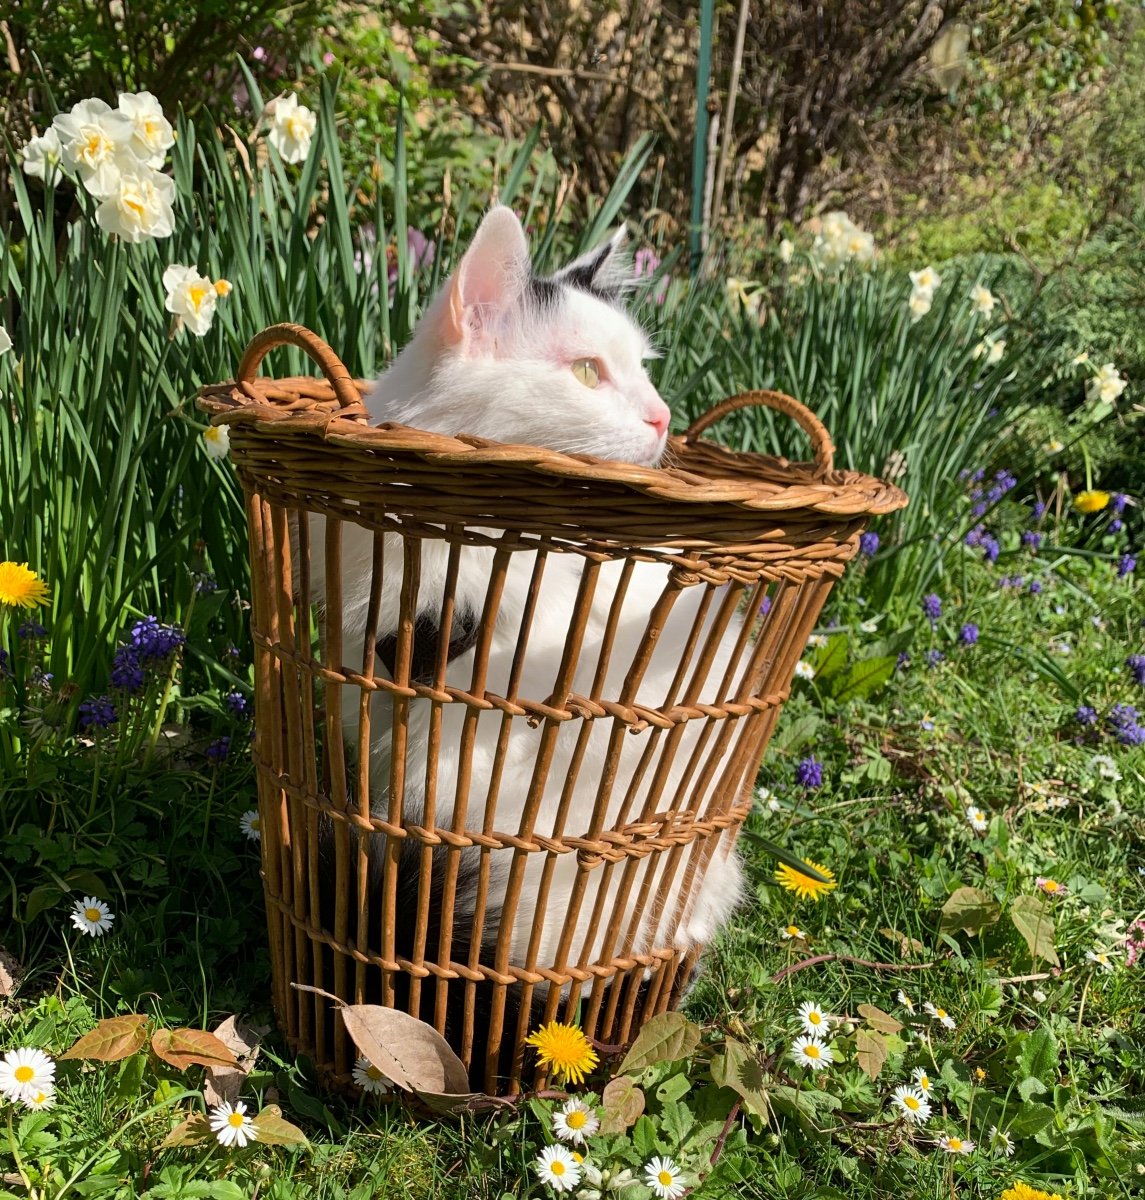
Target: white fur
481,363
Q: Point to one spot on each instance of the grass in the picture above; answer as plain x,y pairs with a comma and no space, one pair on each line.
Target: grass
986,726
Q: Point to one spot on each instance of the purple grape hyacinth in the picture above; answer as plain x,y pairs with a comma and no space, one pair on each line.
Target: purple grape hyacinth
868,542
1126,566
237,704
932,607
126,673
933,658
809,774
1125,725
97,712
1086,715
1031,539
154,642
218,749
31,631
968,635
1135,665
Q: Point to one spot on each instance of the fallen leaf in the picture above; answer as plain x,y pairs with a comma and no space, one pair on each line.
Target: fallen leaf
275,1130
970,910
1034,921
877,1019
182,1048
908,946
871,1051
189,1132
623,1103
665,1037
225,1083
738,1068
407,1051
111,1040
10,973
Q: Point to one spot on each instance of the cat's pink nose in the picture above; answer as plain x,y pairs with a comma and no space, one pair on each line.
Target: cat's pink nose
659,418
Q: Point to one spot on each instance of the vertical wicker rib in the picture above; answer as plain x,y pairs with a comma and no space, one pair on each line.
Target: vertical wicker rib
637,797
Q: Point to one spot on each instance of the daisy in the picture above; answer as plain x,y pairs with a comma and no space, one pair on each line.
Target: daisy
232,1125
912,1104
813,1018
940,1015
557,1167
217,440
977,818
955,1145
369,1078
565,1049
92,916
817,640
792,933
663,1177
811,1052
26,1070
905,1001
249,825
1051,887
39,1098
804,670
921,1080
575,1122
803,885
1001,1142
1103,960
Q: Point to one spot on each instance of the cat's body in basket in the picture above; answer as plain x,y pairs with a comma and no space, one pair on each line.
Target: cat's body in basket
555,363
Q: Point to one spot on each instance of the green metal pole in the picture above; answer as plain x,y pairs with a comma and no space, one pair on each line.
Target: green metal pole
700,144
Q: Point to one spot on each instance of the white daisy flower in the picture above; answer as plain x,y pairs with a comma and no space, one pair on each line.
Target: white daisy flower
817,641
557,1167
921,1080
25,1070
1105,767
977,818
905,1001
955,1145
813,1018
811,1052
575,1122
868,626
912,1104
983,300
664,1178
369,1078
804,670
92,916
232,1126
217,440
1001,1142
1103,960
940,1015
791,933
38,1099
249,825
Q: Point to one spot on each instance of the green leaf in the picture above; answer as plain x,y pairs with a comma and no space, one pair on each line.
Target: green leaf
1033,919
970,910
784,856
738,1068
831,658
864,678
644,1137
664,1038
675,1087
1038,1053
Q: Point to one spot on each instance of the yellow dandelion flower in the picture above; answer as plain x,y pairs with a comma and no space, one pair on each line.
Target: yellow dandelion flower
1023,1191
803,885
1090,502
565,1049
21,587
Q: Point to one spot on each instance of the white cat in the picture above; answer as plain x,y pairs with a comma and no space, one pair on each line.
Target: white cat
558,363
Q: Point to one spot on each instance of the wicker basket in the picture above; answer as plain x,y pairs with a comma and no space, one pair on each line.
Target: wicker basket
755,535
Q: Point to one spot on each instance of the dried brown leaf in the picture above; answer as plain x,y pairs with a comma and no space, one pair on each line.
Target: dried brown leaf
112,1040
10,973
225,1083
183,1048
871,1051
623,1103
877,1019
190,1132
275,1130
407,1051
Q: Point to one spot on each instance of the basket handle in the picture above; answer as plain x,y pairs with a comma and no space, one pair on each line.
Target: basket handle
821,442
298,335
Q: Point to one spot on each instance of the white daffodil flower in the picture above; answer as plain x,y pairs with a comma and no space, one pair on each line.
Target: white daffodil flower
40,156
139,207
95,144
292,128
152,135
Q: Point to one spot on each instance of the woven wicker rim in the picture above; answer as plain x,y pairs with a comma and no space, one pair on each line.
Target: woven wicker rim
336,414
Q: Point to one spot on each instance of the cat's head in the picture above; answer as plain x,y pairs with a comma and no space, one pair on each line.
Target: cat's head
553,362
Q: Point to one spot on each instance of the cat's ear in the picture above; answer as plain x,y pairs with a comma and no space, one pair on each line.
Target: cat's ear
491,278
605,271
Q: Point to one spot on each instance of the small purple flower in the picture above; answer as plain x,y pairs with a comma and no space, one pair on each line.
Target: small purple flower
4,668
1126,566
1086,715
933,658
421,249
978,475
31,631
976,510
990,548
646,264
1032,539
205,584
218,749
1035,587
126,673
932,607
1039,510
903,661
868,542
809,774
237,704
1120,500
968,635
98,712
1135,665
1116,525
1125,725
154,642
974,537
765,606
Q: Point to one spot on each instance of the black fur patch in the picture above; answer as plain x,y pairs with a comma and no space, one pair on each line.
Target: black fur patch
426,641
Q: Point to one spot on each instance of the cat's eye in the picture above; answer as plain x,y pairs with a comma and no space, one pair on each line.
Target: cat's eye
587,371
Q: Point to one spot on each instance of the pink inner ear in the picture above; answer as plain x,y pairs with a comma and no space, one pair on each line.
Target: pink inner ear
491,276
